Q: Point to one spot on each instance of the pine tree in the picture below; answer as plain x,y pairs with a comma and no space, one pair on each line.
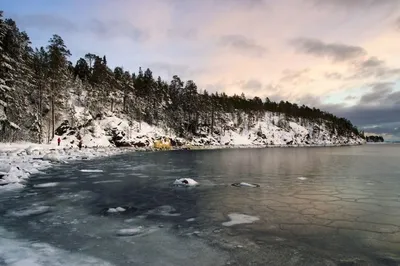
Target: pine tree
58,73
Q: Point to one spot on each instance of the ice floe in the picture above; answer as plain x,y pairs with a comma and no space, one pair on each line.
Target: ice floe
164,210
302,178
116,210
244,184
238,218
130,231
185,182
15,251
44,185
34,210
91,170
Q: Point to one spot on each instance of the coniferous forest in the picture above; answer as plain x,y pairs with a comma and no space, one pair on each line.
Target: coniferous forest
35,83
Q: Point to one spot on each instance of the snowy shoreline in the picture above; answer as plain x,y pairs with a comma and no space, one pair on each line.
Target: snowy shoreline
18,161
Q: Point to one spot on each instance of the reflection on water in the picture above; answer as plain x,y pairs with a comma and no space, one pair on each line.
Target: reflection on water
313,206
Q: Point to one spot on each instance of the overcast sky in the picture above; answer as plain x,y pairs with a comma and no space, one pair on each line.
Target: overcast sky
338,55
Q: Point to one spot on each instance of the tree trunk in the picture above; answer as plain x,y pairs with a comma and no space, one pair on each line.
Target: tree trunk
53,117
40,114
48,131
212,120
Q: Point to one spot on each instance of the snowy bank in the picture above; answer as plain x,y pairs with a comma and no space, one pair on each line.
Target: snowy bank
20,160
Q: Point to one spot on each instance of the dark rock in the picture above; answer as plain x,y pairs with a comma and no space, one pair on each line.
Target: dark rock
63,128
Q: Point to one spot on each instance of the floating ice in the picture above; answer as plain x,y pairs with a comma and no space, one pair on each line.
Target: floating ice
44,185
244,184
91,170
164,210
130,231
107,181
238,218
116,210
186,182
190,220
15,251
302,178
36,210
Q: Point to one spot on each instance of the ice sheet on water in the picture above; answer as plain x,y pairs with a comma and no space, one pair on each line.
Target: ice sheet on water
238,218
34,210
302,178
44,185
164,210
15,251
107,181
91,170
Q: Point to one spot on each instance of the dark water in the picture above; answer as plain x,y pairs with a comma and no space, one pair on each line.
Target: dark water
316,206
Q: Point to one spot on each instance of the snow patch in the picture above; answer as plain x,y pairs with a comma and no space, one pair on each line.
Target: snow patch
238,218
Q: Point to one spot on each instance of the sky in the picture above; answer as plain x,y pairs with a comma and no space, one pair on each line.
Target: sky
342,56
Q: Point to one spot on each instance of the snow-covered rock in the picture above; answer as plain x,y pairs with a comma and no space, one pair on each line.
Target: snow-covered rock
185,182
52,157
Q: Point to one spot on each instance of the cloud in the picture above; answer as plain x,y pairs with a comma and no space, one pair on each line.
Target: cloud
171,69
185,33
377,110
296,77
252,84
333,75
373,67
351,4
242,44
48,21
335,51
397,23
102,29
115,28
380,94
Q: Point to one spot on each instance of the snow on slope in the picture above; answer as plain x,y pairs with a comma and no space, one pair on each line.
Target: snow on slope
238,129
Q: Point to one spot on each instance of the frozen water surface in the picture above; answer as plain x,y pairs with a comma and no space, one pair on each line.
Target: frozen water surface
346,211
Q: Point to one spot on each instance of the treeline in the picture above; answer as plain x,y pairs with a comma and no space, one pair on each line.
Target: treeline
374,139
35,86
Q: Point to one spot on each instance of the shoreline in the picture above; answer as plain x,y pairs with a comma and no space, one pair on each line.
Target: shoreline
18,161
